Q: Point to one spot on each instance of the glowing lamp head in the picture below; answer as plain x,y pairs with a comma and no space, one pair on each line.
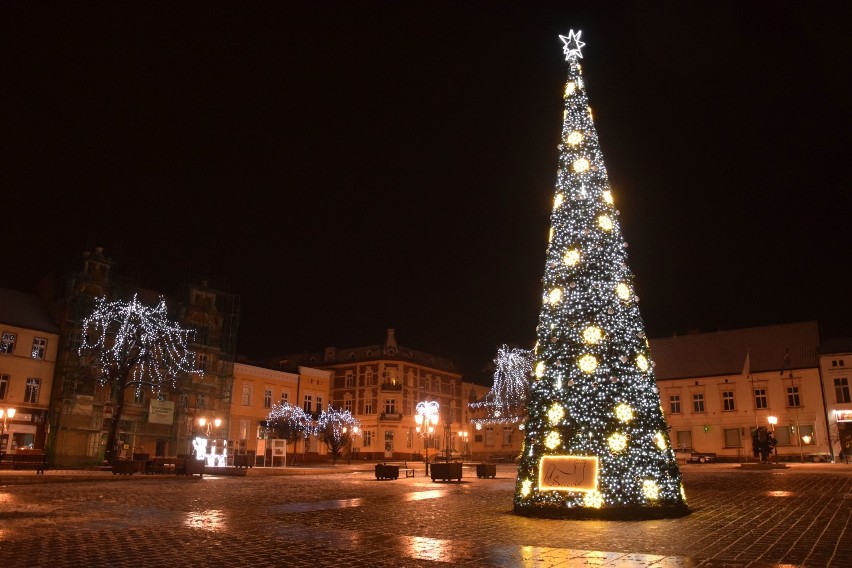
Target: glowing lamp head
217,422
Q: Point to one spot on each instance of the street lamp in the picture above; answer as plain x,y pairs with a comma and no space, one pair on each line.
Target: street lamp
4,414
773,420
426,418
463,437
204,422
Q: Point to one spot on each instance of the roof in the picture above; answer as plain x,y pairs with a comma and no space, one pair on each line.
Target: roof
25,310
370,353
724,352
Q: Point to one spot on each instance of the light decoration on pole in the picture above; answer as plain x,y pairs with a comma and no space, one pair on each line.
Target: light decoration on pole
596,443
506,402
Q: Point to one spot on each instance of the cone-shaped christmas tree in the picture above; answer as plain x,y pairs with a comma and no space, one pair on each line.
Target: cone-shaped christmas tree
596,443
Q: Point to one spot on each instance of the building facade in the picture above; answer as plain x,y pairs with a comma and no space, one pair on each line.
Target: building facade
381,385
717,388
835,363
28,347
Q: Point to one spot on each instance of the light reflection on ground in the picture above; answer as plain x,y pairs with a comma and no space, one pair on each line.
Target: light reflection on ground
317,506
212,520
420,495
780,493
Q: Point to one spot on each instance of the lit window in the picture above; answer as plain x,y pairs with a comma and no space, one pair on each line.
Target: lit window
841,390
39,347
31,391
7,343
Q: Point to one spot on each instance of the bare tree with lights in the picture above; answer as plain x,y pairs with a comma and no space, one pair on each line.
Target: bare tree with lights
289,422
596,442
131,345
336,428
506,402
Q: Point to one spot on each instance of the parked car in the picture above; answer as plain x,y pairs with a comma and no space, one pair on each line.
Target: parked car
701,457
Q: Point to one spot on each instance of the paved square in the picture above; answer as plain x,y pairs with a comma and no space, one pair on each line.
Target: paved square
797,516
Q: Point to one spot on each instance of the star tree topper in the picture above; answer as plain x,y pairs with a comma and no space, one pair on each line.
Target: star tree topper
572,44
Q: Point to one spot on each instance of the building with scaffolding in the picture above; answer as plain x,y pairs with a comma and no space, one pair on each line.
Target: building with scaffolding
160,425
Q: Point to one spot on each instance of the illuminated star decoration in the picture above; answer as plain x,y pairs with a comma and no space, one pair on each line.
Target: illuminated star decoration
573,45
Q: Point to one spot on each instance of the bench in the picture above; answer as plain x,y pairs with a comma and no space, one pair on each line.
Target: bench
27,459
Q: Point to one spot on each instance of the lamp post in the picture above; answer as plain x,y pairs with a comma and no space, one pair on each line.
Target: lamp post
773,420
426,418
6,413
463,438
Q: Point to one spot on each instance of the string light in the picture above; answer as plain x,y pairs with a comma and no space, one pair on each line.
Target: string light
593,407
506,402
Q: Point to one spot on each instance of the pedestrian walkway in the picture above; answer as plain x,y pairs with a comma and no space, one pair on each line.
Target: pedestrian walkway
799,516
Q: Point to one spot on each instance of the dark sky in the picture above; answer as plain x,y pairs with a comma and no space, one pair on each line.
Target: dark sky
351,166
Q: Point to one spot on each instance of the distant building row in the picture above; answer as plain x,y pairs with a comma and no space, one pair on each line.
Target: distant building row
715,388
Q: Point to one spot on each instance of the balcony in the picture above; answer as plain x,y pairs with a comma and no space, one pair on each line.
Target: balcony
390,416
392,387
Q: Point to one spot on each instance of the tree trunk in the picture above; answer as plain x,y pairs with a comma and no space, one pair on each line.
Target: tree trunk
112,452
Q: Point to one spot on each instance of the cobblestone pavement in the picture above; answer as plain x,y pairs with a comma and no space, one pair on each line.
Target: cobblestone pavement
798,516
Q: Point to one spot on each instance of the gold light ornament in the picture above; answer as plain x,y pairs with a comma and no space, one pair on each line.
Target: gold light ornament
552,440
605,223
571,258
623,412
539,370
622,291
607,196
592,334
555,296
682,493
587,363
642,362
526,487
570,88
660,440
574,138
555,414
593,499
580,165
557,202
550,235
617,442
650,490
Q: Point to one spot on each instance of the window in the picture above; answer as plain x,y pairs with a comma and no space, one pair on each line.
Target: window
368,407
793,396
319,404
244,428
138,396
4,386
202,361
368,438
782,434
368,378
285,397
674,403
684,438
837,363
309,400
31,391
246,394
390,406
200,401
350,379
806,430
841,390
728,400
39,347
388,440
698,402
267,398
760,400
7,343
489,436
732,438
347,405
507,436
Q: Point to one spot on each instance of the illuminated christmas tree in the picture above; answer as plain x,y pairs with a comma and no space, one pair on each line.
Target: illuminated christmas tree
596,442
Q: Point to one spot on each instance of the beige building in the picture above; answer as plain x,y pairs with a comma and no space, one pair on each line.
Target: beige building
716,388
28,343
381,385
835,363
256,389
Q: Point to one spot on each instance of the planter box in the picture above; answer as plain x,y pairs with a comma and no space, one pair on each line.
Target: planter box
194,466
387,471
486,470
125,467
446,471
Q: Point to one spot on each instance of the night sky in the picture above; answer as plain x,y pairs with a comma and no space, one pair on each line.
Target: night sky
345,167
